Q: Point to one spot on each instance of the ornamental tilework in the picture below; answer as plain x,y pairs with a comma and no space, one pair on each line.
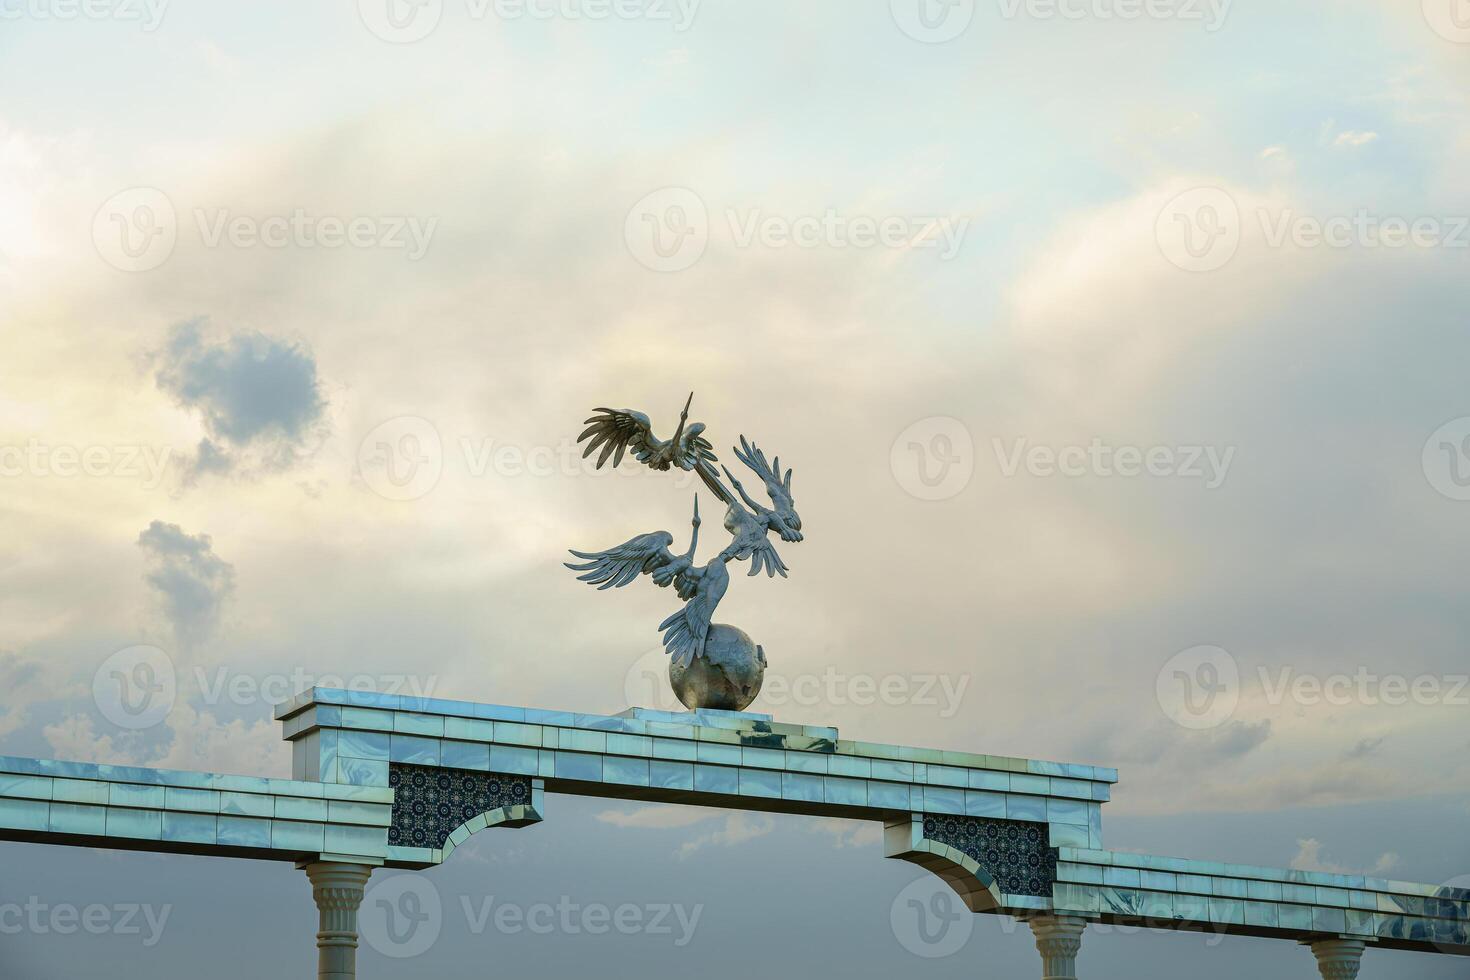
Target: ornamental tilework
429,803
1014,852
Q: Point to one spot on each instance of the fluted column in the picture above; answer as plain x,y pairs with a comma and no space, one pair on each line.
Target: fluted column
1059,940
338,890
1338,959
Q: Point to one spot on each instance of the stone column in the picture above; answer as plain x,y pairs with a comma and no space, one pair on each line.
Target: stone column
338,890
1059,940
1338,959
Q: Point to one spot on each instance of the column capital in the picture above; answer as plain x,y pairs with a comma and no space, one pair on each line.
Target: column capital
338,889
1058,940
1338,959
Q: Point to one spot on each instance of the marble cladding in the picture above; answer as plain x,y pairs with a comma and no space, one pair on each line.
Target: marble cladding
189,811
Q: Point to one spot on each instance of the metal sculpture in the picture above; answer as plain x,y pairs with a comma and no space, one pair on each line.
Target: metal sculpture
712,665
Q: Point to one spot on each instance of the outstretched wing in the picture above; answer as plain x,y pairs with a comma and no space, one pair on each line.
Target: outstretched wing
777,485
697,451
686,630
763,556
616,567
616,431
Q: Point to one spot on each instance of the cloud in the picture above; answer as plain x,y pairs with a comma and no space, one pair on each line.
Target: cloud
1353,138
191,580
739,828
199,742
74,740
23,681
1365,747
847,833
1309,858
258,398
659,817
203,742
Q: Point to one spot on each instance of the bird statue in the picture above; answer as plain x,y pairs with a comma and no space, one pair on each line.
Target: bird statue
711,664
620,430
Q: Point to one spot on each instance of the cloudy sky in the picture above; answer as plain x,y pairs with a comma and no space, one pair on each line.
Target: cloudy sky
1120,361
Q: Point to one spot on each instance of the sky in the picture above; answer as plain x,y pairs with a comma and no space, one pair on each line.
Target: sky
1117,350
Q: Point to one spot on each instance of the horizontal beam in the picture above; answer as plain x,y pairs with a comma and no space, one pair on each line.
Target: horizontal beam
170,811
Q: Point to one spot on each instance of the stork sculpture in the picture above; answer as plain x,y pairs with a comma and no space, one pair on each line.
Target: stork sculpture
712,665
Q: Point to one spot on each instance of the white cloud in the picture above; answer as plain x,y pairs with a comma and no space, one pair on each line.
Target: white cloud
659,817
74,739
847,833
739,828
1309,858
1353,138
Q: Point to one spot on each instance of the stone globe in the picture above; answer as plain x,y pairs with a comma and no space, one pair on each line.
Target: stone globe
726,677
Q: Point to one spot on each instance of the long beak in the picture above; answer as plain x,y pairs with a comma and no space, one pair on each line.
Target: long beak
683,417
694,535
